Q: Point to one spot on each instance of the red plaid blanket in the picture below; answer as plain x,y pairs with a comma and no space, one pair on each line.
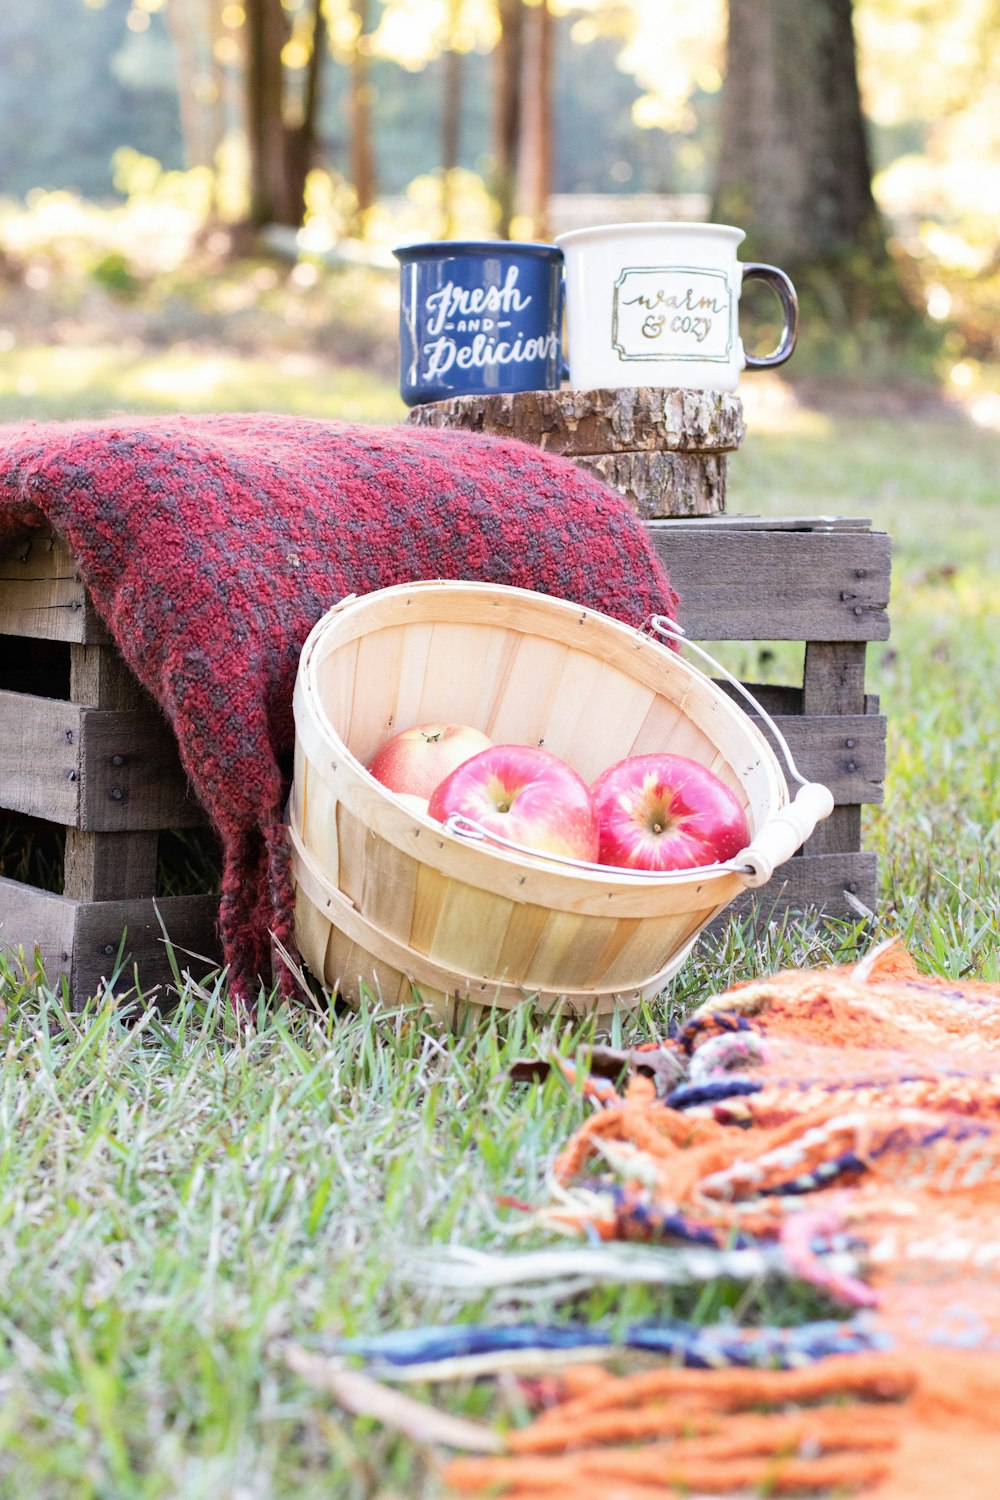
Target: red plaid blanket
211,545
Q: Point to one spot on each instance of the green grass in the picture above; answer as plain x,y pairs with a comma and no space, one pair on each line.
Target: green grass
178,1199
99,380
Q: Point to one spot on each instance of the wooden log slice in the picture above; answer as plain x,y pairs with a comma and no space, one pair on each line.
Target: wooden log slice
582,423
663,485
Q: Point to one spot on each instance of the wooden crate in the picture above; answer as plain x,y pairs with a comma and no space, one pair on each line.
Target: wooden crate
823,582
84,749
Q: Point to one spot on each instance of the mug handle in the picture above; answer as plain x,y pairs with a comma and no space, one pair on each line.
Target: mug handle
780,284
563,361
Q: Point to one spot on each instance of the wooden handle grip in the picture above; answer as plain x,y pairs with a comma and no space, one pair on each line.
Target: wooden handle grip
786,831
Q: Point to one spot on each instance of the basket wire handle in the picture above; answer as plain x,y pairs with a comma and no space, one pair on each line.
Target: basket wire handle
789,828
667,627
469,828
776,840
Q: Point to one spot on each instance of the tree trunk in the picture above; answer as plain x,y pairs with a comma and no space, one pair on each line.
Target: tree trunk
281,148
359,105
794,166
265,37
536,129
300,138
221,89
451,118
794,169
508,57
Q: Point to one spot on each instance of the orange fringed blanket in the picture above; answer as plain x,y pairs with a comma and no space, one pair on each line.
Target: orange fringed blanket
857,1103
894,1427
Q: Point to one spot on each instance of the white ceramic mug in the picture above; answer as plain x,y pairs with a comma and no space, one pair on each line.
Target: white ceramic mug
658,304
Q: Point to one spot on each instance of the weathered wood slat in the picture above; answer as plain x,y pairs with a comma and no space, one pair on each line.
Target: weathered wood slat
131,774
32,919
102,866
42,597
829,884
740,523
40,757
833,682
109,866
844,751
833,677
578,423
777,586
99,769
190,922
100,678
81,939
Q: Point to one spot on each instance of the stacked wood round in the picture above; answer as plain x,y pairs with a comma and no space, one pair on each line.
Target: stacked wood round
663,450
386,899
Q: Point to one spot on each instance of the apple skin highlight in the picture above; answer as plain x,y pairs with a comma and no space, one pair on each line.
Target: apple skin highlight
666,812
525,794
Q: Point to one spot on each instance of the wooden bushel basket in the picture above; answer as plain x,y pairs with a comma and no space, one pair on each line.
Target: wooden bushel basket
386,899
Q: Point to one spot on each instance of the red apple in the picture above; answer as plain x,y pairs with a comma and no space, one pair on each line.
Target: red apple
525,794
416,759
666,812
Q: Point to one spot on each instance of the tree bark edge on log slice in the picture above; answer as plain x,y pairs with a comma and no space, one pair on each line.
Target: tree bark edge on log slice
581,424
661,486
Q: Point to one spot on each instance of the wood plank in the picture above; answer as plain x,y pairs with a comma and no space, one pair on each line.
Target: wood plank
811,884
37,922
109,866
618,420
97,769
833,677
833,682
190,922
840,831
41,595
775,698
131,773
80,940
844,751
99,678
741,523
776,585
664,484
40,750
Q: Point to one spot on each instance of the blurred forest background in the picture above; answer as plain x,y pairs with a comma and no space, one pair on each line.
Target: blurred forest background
199,198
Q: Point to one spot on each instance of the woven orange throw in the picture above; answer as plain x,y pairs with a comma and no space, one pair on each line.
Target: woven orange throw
810,1109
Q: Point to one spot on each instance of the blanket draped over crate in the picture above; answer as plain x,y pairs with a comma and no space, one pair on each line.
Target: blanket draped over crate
810,1113
211,545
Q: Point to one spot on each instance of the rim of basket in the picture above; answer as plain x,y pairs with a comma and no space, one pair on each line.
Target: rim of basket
344,623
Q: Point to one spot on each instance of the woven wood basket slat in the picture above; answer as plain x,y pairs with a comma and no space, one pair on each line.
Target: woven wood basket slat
385,898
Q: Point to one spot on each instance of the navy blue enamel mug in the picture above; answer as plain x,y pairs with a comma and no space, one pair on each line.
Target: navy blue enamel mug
478,319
